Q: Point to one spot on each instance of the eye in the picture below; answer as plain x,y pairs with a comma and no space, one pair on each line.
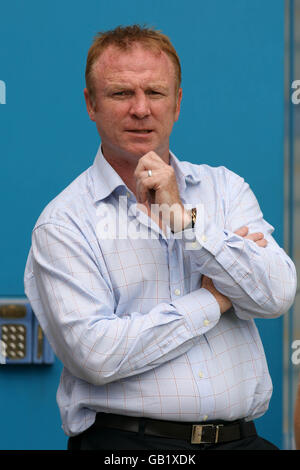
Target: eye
155,94
121,93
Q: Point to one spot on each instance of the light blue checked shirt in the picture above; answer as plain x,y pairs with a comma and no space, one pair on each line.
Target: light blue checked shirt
127,315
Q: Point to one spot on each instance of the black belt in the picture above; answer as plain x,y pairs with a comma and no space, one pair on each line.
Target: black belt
199,433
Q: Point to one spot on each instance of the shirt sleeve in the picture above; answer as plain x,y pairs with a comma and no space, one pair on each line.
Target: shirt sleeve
74,303
260,282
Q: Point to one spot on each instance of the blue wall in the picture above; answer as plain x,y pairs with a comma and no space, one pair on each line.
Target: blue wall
232,115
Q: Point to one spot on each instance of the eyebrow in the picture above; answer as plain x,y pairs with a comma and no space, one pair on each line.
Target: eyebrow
127,86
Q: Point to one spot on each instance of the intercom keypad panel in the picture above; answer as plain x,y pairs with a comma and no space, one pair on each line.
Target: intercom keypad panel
14,338
22,338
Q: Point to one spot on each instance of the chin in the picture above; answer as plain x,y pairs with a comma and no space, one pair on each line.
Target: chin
140,151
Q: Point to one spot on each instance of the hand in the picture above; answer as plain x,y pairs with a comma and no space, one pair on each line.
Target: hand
257,237
160,189
207,283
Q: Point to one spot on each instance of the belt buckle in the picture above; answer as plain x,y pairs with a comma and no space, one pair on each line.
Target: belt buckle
202,432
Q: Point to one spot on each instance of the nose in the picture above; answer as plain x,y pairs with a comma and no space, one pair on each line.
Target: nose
140,106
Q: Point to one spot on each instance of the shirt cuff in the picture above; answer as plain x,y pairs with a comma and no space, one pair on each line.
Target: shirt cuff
201,310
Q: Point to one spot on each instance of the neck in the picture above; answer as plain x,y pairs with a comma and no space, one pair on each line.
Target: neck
125,169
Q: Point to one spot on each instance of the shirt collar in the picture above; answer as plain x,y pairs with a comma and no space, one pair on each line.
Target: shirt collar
186,173
106,179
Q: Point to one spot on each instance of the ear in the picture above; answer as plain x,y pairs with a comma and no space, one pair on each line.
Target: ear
178,103
89,104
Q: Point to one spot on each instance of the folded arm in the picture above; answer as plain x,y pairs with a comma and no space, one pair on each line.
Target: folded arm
73,299
258,278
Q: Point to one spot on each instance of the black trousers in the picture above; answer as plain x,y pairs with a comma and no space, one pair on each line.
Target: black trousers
98,437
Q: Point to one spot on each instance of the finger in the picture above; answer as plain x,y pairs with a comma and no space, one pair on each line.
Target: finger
263,243
242,231
149,161
153,157
142,192
258,238
255,236
141,174
145,175
145,187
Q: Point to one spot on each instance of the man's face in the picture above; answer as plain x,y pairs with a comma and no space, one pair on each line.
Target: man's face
135,103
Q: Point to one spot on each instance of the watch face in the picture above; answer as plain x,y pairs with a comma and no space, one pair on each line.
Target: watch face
194,215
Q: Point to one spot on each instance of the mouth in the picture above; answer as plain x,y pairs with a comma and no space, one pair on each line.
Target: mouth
140,131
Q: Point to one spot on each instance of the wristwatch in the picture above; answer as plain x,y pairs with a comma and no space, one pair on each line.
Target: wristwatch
194,216
192,223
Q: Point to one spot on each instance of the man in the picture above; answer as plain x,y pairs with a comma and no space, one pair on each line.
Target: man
151,310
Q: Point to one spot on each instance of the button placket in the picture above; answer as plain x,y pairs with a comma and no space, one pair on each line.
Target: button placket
174,270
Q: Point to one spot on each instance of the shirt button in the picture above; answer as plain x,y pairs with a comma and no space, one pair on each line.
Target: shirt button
128,194
203,238
206,322
177,292
205,417
200,374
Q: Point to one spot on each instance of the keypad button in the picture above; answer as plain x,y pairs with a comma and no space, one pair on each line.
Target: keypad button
14,338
